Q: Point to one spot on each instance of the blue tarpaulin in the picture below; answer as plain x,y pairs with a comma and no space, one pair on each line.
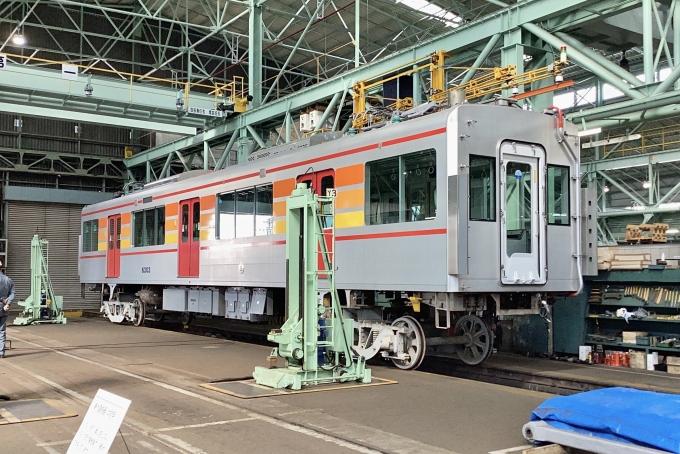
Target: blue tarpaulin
627,415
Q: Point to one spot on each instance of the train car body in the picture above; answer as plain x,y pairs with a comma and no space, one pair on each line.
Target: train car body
470,210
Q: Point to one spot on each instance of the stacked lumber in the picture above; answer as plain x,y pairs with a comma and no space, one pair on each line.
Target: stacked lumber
646,233
630,261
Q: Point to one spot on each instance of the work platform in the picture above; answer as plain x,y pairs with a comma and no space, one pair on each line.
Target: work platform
552,376
161,373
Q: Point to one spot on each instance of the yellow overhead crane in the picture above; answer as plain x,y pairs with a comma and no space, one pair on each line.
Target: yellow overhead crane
494,81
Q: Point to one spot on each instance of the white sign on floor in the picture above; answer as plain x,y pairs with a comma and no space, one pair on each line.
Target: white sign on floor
101,424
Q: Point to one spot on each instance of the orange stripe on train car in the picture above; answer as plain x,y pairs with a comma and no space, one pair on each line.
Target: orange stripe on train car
125,218
171,209
279,209
208,202
102,225
284,188
350,175
125,231
350,198
207,219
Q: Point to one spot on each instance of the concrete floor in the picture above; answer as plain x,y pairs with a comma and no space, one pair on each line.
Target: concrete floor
159,371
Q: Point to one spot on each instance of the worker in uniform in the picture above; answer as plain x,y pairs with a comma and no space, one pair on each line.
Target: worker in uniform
6,298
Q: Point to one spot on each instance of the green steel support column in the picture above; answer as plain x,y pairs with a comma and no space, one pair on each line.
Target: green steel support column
481,57
357,34
512,53
648,40
243,146
148,171
576,56
256,136
417,90
573,43
206,154
342,103
676,37
227,151
650,173
286,127
327,112
541,102
255,35
166,167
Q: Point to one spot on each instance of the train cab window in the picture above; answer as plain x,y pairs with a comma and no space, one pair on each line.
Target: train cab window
226,222
185,223
196,220
245,211
558,195
264,220
482,189
90,235
402,188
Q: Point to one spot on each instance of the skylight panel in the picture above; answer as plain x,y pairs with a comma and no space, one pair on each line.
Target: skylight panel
423,6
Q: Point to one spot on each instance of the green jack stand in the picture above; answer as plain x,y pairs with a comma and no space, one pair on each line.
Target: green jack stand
42,306
317,349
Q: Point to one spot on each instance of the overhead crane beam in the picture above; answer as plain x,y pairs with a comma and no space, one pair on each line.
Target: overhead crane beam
459,38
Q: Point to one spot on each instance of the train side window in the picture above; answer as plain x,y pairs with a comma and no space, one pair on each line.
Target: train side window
196,219
402,188
558,195
226,219
482,190
118,225
185,223
245,213
90,235
159,226
148,227
111,231
382,178
420,185
264,220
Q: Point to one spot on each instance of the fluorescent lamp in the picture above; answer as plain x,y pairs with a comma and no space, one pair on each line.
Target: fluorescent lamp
672,231
18,39
589,132
611,141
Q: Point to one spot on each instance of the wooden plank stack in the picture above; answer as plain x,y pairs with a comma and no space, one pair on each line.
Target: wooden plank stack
630,261
646,233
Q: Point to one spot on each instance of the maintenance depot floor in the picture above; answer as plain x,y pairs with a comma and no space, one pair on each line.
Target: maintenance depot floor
160,372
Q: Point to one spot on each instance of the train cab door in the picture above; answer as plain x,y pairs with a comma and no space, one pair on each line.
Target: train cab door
189,238
113,247
321,182
523,225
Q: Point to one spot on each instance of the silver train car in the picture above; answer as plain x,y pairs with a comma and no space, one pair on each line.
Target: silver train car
450,219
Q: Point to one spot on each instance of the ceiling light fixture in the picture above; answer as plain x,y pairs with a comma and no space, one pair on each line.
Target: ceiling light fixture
646,184
589,132
18,39
606,189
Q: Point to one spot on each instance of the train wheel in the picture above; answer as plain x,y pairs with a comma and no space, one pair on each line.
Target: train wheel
140,312
185,318
158,317
480,339
414,343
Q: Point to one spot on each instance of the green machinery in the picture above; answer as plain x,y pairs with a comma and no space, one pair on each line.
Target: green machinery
42,305
315,340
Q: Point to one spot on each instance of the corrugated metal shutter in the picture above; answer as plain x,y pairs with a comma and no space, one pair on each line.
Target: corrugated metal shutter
59,224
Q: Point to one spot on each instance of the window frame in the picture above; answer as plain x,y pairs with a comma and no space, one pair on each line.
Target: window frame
93,244
401,190
568,192
158,225
254,214
494,178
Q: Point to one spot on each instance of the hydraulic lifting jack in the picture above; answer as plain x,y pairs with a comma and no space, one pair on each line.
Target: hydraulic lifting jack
42,305
315,340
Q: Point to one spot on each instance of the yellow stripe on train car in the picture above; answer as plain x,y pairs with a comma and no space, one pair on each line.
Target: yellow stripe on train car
349,219
170,238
